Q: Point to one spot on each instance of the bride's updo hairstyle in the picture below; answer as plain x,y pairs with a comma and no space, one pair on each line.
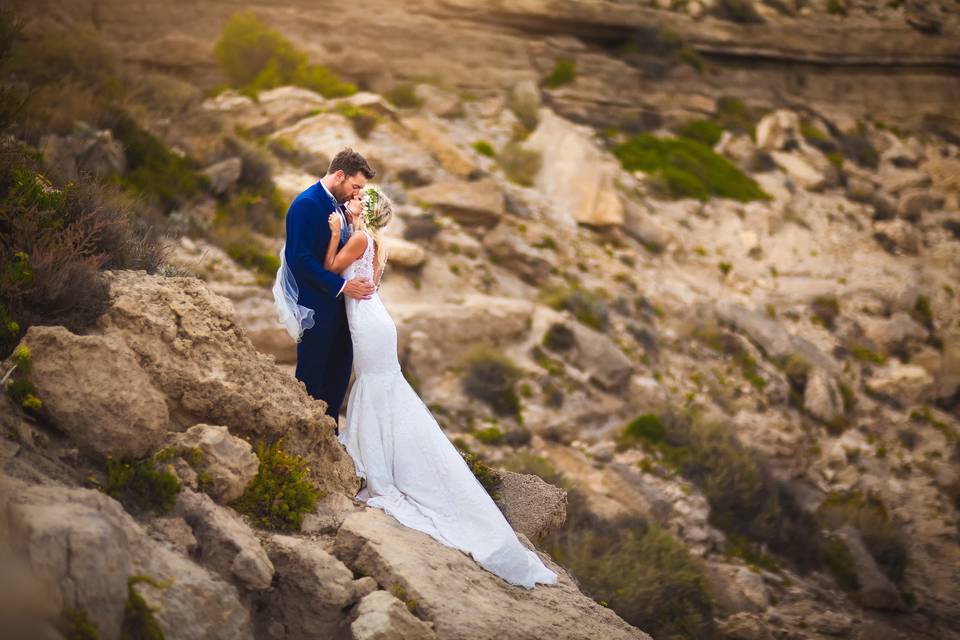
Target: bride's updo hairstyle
376,215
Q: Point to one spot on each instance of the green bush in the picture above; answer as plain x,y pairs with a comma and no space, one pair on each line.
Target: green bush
884,538
564,72
139,623
153,169
484,474
281,493
255,57
706,132
403,96
689,168
586,307
733,114
74,624
519,164
491,377
364,121
484,148
144,485
646,427
490,435
19,387
825,310
837,557
559,337
55,242
640,571
836,7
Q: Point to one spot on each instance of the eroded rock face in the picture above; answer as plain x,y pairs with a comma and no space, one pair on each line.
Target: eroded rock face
312,589
228,461
188,341
94,390
84,547
226,544
477,203
381,616
575,177
461,599
531,506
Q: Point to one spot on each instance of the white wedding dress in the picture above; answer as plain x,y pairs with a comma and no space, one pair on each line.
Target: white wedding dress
413,472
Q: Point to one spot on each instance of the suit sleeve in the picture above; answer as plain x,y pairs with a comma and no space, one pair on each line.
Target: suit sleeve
307,230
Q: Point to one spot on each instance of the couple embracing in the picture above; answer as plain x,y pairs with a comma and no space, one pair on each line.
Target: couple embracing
327,297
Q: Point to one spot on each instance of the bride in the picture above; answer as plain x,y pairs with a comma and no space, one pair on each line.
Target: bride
412,471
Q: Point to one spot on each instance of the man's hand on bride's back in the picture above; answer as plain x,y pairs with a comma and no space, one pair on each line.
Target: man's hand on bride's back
359,289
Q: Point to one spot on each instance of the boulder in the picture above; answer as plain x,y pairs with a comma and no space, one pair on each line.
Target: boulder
531,506
477,203
403,253
800,171
594,352
511,251
328,514
897,334
775,341
287,105
226,544
311,590
228,461
576,177
83,547
464,600
439,102
223,174
822,399
875,590
449,156
902,384
913,203
84,151
777,130
94,390
190,344
381,616
898,235
433,336
736,588
640,224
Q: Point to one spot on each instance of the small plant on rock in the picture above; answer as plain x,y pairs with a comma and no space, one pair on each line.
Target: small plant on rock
281,493
139,623
144,485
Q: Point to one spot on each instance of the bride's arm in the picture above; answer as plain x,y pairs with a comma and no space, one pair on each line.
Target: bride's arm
337,262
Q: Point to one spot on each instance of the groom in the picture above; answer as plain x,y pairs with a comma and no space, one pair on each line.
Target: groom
325,353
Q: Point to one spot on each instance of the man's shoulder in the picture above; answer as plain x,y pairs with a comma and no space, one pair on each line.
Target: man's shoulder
313,196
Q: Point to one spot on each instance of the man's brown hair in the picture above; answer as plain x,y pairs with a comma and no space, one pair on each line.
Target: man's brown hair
351,162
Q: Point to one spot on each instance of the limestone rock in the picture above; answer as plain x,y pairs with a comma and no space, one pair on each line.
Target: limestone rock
432,336
598,355
83,152
94,390
915,202
776,342
802,172
477,203
381,616
903,384
531,506
821,397
228,461
777,130
898,234
439,102
464,600
175,532
896,334
329,514
576,177
311,589
223,174
226,543
83,547
511,250
190,344
875,589
450,157
403,253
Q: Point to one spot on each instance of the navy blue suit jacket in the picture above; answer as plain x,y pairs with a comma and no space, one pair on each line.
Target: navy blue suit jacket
325,352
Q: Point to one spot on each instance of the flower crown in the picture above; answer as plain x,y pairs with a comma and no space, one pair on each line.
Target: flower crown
371,198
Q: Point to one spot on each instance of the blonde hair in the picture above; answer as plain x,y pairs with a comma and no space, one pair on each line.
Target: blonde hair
375,219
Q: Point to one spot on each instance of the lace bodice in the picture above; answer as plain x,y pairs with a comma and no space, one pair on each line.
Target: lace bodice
362,267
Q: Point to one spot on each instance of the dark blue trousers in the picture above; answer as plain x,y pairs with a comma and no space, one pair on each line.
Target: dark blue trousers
325,360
